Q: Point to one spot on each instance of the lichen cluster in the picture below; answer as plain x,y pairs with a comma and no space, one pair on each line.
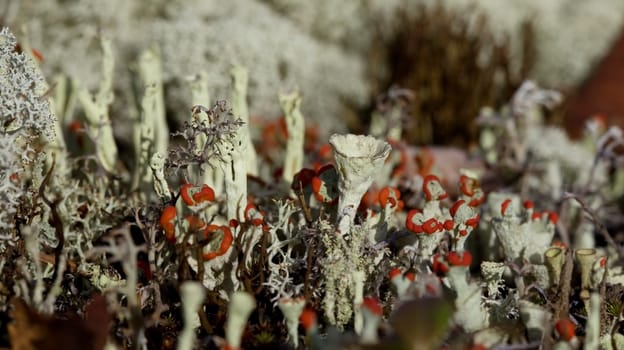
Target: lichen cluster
216,237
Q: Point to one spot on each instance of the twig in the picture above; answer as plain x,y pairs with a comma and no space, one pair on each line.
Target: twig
58,223
149,234
599,225
304,205
203,320
263,261
602,290
563,306
306,280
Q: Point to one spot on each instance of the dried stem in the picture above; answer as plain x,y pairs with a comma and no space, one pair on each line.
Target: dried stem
599,225
562,308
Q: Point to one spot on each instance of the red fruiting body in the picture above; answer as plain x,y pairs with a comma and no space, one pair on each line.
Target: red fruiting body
166,222
505,205
274,134
233,223
370,198
76,128
192,197
317,185
410,224
415,228
439,266
559,244
431,226
389,196
325,151
226,240
319,182
467,185
431,289
474,221
186,197
448,225
428,195
205,194
308,319
373,305
36,53
603,261
253,215
459,259
195,223
456,206
477,201
310,137
410,276
302,179
528,204
551,216
566,329
395,272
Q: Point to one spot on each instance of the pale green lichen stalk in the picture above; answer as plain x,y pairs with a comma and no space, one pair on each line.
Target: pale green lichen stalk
592,329
204,173
232,152
554,259
240,307
358,160
192,295
144,135
239,108
358,278
535,318
161,187
291,309
96,110
150,74
471,314
585,259
293,160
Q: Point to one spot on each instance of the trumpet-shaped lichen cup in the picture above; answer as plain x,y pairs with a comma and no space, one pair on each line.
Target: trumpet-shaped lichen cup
358,159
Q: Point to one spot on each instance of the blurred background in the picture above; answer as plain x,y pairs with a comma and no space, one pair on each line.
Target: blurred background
455,56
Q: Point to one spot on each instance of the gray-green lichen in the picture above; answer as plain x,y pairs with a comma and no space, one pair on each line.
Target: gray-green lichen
343,255
25,115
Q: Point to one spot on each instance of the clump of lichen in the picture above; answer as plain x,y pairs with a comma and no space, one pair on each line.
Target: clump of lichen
365,240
